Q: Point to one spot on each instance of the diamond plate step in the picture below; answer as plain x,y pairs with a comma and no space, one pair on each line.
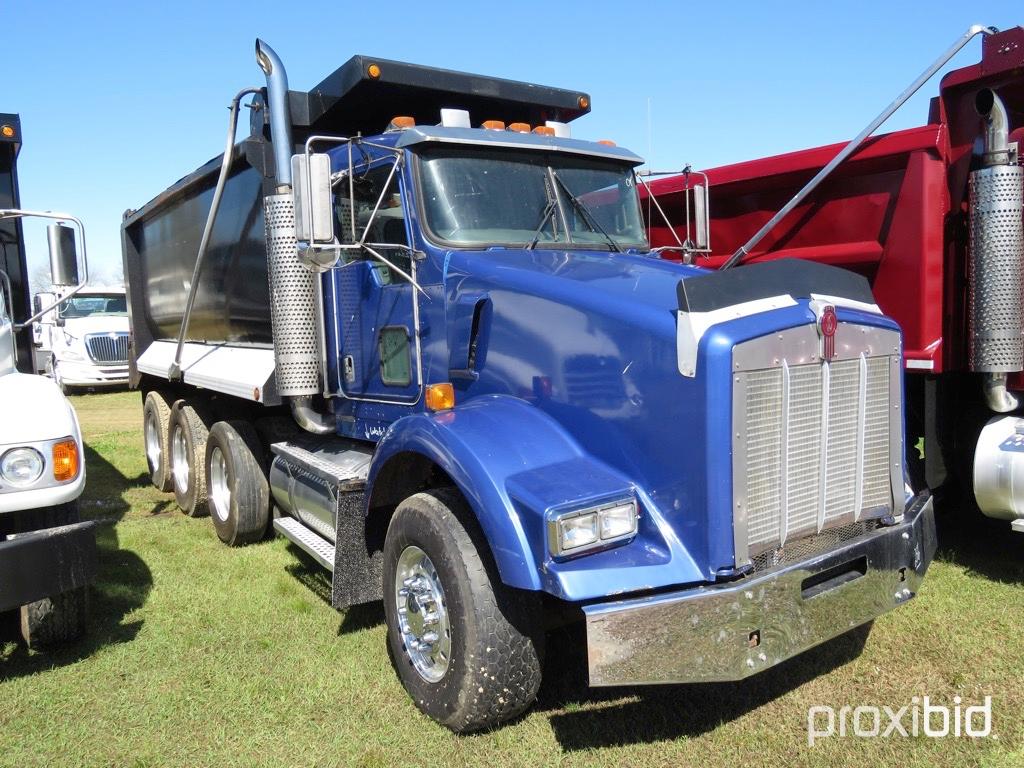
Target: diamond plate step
319,548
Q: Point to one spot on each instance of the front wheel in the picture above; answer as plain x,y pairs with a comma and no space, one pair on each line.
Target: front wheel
467,648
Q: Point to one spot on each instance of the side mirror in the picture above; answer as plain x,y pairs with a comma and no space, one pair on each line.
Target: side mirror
63,255
60,322
311,192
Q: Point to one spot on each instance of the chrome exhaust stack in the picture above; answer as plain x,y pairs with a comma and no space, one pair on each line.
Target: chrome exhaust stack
996,258
294,294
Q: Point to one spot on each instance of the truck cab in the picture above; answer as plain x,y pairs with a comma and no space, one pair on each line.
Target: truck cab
83,341
481,397
47,554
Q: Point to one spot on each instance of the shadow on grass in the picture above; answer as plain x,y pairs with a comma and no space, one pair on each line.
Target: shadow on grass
984,546
317,580
122,584
665,712
106,486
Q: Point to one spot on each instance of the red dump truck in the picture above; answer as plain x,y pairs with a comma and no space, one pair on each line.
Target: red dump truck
932,216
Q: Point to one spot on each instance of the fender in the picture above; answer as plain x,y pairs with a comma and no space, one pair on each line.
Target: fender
511,461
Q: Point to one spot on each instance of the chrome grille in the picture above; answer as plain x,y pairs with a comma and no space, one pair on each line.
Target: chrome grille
816,445
107,348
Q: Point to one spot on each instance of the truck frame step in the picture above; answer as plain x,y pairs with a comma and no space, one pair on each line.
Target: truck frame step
316,546
343,462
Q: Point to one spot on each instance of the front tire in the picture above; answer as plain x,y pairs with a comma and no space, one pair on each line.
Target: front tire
239,495
467,648
188,459
58,619
55,620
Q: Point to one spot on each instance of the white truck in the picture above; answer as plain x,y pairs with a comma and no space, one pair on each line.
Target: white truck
47,555
83,342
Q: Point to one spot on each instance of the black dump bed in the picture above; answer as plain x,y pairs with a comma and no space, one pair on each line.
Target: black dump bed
160,240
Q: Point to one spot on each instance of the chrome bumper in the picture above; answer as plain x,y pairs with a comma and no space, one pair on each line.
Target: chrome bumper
735,630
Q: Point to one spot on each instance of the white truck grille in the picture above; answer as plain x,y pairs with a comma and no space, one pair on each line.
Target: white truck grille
107,347
815,445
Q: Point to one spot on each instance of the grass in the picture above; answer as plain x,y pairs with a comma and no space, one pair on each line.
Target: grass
200,655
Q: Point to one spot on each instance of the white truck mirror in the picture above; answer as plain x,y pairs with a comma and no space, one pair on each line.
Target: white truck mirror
63,255
311,192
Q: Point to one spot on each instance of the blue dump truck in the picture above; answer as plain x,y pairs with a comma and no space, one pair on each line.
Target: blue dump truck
412,325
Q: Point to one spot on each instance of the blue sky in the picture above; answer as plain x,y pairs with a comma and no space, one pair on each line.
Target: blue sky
118,100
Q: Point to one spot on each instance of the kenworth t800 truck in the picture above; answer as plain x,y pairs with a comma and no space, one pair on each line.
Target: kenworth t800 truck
415,327
47,554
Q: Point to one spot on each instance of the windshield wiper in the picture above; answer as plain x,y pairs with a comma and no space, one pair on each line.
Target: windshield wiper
545,217
588,217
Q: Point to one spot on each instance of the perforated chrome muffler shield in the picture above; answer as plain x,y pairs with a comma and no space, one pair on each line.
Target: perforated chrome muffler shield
996,269
293,311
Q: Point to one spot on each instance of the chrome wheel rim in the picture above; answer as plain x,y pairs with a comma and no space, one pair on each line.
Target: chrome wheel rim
422,614
153,450
179,460
220,491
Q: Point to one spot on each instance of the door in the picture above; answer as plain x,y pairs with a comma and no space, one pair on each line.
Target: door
374,311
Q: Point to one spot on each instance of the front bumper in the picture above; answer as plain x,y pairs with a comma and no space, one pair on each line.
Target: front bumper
732,631
92,374
46,563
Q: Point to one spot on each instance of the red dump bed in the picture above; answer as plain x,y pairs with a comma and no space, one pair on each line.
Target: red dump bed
895,211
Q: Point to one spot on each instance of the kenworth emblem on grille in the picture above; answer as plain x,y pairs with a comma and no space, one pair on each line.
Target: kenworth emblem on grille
825,315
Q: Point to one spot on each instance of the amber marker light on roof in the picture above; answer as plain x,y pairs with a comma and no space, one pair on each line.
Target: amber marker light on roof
544,130
440,397
584,102
606,142
519,127
7,131
493,125
402,121
65,460
373,71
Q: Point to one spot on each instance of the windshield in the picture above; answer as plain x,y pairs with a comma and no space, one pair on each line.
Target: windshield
530,199
95,304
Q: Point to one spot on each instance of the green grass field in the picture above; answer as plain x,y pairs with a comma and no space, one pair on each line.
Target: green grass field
198,655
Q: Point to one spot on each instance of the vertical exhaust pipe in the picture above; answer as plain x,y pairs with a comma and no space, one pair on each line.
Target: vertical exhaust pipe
294,314
280,115
996,258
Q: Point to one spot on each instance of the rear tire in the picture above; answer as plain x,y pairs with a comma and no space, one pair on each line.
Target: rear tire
481,664
239,495
188,459
156,431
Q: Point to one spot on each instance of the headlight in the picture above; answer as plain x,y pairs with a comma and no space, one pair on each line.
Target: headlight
21,466
591,528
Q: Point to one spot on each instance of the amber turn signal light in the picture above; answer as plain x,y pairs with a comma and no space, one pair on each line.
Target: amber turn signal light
584,102
440,397
7,131
65,460
373,71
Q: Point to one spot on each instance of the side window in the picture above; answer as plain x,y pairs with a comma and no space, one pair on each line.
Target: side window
387,232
